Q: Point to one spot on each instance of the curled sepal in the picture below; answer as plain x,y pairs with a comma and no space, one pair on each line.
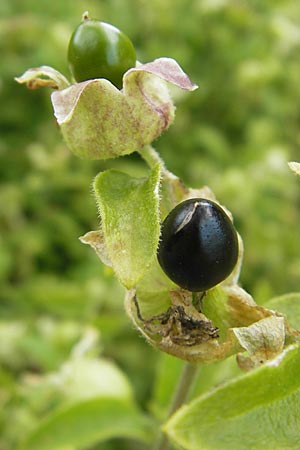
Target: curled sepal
262,341
98,121
129,212
44,76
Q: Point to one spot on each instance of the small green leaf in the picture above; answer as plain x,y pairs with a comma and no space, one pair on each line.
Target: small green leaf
258,410
86,423
129,211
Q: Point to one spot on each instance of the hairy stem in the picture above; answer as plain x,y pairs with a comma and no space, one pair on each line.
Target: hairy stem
151,157
185,383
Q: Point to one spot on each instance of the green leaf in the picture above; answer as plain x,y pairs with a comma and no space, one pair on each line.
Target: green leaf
288,304
85,377
129,211
258,410
86,423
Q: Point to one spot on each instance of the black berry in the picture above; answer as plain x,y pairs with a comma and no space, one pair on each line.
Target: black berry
199,245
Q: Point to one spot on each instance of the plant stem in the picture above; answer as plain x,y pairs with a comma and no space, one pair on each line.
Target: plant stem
150,155
185,383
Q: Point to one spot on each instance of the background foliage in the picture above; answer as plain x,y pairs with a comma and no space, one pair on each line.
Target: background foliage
236,133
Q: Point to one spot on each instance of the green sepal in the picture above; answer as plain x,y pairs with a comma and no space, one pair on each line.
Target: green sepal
99,121
130,222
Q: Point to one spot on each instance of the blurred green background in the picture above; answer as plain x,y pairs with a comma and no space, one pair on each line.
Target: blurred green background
236,134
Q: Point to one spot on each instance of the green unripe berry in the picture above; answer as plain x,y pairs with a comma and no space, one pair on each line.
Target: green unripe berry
99,50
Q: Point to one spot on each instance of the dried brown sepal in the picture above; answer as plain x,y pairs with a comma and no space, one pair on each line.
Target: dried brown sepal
255,334
263,340
182,331
181,322
95,239
44,76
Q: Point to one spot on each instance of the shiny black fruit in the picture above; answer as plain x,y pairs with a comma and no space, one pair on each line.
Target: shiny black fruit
199,245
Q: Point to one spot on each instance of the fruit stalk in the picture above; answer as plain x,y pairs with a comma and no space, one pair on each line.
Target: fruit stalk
152,158
183,388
